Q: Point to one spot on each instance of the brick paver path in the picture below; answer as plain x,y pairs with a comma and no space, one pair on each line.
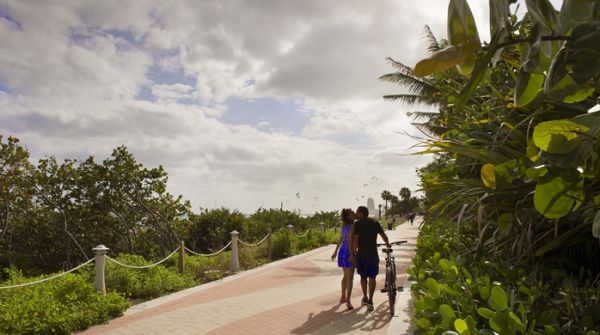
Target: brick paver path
298,295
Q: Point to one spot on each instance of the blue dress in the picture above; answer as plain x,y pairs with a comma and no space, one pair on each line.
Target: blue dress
344,252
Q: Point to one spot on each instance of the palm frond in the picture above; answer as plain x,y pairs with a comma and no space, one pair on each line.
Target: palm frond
423,116
411,99
415,85
430,129
407,70
433,44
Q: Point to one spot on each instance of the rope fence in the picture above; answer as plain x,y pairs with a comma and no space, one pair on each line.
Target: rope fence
304,235
141,266
49,278
208,255
101,257
255,244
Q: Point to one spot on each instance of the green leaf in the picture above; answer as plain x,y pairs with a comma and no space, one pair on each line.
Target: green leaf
515,318
574,13
433,287
576,64
471,325
498,300
488,175
558,136
439,61
499,323
504,223
536,172
504,173
478,74
554,199
461,326
542,11
447,289
484,292
549,330
528,87
499,15
445,264
532,151
447,314
597,200
462,30
423,323
485,312
579,95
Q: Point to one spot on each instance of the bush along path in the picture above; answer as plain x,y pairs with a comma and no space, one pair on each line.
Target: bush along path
510,244
67,302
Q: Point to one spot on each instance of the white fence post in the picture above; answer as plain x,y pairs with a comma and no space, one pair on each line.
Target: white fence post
235,263
100,251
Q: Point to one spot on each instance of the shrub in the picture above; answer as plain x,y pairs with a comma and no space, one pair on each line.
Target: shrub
205,269
456,288
144,283
59,306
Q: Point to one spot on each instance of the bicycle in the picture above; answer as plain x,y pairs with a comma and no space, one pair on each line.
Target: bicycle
390,276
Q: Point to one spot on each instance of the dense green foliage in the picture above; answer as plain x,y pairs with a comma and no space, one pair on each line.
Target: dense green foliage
70,302
516,171
53,213
59,306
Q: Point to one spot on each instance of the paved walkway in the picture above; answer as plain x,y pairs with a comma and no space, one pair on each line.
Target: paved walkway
298,295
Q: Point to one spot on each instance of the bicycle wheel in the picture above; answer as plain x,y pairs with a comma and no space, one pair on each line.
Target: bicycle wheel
391,288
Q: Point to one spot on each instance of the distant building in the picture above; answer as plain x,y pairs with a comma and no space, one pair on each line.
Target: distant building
371,206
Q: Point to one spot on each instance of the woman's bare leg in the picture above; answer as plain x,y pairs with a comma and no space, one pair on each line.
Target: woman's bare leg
349,277
343,283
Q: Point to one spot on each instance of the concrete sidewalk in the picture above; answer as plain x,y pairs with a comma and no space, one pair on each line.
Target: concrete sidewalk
298,295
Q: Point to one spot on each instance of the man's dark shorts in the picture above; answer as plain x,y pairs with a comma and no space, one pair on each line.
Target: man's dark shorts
367,266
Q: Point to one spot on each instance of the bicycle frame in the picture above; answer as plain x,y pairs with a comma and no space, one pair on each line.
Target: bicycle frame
390,277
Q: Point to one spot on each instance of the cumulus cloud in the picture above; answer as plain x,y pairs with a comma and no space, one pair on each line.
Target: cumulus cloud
80,78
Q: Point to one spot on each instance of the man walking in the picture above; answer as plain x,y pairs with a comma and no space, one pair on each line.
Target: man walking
363,247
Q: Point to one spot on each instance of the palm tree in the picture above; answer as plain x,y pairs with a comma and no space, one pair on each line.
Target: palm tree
404,193
429,91
386,195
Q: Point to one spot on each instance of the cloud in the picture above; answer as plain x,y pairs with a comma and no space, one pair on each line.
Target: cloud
173,82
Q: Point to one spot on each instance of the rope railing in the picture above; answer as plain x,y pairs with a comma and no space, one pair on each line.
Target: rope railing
49,278
304,235
254,244
141,266
208,255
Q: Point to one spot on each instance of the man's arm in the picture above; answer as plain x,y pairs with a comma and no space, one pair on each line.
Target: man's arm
384,237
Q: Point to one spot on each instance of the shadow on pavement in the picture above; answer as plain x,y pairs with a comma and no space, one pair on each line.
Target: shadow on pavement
338,320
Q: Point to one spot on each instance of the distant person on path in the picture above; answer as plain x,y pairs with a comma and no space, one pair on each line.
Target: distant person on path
343,246
364,253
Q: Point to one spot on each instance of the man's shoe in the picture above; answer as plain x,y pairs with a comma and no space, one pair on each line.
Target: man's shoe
370,307
364,301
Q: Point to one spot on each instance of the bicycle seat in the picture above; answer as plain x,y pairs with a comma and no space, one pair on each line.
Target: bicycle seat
387,250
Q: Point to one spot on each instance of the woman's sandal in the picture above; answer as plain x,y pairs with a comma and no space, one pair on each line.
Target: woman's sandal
349,306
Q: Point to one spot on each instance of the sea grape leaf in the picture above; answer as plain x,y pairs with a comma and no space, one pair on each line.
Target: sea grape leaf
555,198
558,136
462,30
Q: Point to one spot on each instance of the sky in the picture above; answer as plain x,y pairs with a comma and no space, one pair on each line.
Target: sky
246,104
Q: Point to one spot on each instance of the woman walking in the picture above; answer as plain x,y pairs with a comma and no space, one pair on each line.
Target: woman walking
343,246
